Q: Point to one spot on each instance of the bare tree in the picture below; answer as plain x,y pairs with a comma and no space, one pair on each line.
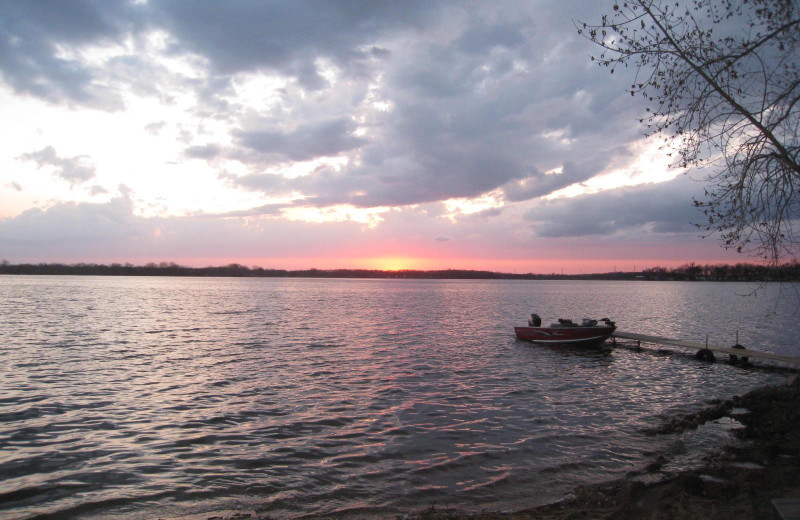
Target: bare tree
722,83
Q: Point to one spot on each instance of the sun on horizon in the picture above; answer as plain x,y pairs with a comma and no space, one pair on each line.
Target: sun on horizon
394,263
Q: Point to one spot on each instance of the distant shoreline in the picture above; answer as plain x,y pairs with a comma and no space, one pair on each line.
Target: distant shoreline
789,272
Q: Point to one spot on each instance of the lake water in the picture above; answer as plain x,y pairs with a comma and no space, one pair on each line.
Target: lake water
147,397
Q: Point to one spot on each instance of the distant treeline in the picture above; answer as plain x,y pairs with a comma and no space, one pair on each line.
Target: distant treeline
694,272
726,272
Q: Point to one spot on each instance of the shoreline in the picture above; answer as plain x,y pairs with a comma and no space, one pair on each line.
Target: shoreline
740,481
758,273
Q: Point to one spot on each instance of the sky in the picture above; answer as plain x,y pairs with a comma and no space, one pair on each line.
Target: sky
357,134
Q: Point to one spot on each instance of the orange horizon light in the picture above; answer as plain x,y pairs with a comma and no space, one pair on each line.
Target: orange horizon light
394,263
419,262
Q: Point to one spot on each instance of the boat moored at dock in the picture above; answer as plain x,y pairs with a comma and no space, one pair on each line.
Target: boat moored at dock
587,333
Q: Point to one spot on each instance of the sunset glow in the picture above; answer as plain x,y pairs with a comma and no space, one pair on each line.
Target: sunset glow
395,264
390,141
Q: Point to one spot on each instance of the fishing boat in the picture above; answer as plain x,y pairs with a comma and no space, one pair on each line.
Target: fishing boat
587,333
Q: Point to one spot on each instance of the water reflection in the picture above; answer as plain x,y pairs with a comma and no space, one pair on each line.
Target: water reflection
149,396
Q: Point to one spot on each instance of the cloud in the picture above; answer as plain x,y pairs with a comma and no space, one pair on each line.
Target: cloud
69,226
441,238
32,57
467,119
539,184
285,38
271,183
97,190
663,208
74,170
482,215
14,186
112,230
425,100
266,209
474,95
309,141
208,151
288,38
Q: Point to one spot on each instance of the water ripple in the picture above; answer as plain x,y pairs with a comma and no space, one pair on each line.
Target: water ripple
143,397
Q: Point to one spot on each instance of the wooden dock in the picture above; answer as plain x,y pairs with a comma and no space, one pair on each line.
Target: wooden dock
789,360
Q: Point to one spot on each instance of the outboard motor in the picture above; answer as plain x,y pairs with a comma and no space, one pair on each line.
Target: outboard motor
608,322
535,320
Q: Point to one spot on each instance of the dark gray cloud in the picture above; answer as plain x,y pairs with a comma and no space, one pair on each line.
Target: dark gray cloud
467,120
481,216
654,208
309,141
486,35
283,37
540,184
74,170
287,37
31,33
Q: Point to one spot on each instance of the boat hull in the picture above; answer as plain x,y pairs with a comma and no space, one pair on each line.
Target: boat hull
584,336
